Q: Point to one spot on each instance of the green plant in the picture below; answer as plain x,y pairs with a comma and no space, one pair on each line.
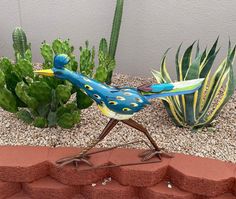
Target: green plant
11,74
58,47
20,45
202,107
45,101
40,101
115,34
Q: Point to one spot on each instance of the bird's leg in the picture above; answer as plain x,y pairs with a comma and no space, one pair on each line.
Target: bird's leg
83,155
146,155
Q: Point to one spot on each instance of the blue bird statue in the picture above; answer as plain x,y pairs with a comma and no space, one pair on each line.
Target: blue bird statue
118,104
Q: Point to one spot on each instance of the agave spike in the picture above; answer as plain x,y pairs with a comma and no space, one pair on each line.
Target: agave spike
186,61
177,62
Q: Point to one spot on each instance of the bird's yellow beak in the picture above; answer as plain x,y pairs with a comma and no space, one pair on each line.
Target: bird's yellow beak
46,72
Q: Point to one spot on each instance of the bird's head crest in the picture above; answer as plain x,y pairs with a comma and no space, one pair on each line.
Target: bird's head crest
61,60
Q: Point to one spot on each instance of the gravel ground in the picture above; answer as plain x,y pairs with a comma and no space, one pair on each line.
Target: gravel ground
218,141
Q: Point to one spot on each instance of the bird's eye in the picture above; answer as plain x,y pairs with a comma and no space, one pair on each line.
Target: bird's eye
120,98
126,109
134,104
113,102
97,96
88,87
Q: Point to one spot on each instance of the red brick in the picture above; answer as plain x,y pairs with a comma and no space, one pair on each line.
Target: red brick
9,188
138,175
201,175
23,163
225,196
48,188
234,187
77,176
78,196
112,190
20,195
161,191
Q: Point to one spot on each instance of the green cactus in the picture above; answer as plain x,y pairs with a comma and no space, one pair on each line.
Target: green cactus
40,122
61,91
43,101
103,46
36,100
68,115
58,46
10,76
47,53
115,34
87,62
2,79
25,116
22,91
20,45
7,100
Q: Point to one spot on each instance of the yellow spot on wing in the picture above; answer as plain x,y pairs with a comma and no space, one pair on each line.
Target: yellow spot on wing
134,104
97,96
120,98
126,109
88,87
113,102
127,93
138,99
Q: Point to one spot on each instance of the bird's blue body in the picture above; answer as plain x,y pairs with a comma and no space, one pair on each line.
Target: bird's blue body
114,102
125,101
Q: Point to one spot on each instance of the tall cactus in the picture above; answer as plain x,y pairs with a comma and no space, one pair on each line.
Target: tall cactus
20,45
115,34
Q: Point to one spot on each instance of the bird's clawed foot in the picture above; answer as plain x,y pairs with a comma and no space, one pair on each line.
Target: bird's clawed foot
75,160
149,154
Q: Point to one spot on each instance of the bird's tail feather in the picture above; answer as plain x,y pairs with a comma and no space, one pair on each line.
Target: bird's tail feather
172,89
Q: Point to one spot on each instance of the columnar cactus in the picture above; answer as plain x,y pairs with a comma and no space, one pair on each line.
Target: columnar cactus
115,34
20,45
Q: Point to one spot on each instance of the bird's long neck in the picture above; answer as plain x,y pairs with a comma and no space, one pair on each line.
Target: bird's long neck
89,86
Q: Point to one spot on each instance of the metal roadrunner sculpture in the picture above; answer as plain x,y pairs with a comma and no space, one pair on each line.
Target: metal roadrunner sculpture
119,104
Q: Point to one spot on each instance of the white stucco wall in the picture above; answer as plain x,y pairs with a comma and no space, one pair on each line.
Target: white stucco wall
149,26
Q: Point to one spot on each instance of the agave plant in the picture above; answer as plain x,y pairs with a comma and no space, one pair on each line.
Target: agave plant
202,107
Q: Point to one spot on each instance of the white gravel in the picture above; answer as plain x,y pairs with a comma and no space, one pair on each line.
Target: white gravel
218,141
